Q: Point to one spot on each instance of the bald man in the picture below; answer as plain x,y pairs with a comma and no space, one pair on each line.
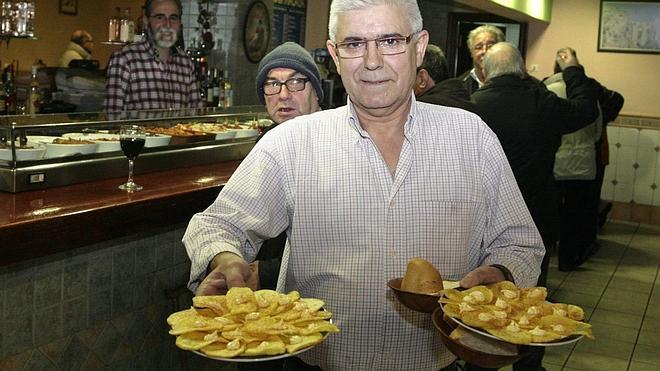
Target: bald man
80,47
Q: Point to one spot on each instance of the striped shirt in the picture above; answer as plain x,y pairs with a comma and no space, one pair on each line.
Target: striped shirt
138,80
352,226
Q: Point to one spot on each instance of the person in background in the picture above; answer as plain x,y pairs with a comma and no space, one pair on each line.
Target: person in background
576,171
433,84
80,47
288,83
362,189
153,74
479,41
529,121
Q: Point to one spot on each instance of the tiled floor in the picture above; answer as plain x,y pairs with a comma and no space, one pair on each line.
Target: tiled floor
619,288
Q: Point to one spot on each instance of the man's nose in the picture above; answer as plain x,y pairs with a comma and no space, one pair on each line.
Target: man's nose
372,57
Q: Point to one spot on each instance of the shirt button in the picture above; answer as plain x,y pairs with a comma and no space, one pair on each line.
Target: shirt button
392,204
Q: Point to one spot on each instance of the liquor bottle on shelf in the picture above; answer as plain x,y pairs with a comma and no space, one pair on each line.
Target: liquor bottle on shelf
229,92
208,82
3,98
10,91
113,26
140,29
126,27
34,97
217,87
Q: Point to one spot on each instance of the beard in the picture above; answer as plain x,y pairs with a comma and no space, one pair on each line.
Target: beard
165,37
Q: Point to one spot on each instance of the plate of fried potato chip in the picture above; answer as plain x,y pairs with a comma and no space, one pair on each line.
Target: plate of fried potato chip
249,326
516,315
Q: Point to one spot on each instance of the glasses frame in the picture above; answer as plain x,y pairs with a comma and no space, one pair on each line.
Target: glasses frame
339,46
285,83
162,18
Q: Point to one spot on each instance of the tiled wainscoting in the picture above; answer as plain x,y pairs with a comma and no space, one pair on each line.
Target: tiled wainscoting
632,179
99,307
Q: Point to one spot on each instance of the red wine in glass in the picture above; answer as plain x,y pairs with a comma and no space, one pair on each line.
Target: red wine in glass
131,139
132,146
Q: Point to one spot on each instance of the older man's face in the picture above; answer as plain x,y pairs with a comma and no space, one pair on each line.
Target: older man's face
480,45
378,84
286,104
164,23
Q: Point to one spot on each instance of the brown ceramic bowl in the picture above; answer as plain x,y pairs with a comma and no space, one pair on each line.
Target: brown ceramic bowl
445,326
418,302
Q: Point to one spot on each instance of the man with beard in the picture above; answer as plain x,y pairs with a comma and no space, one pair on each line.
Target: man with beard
153,74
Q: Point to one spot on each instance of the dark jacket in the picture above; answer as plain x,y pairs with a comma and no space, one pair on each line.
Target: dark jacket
529,121
469,82
451,93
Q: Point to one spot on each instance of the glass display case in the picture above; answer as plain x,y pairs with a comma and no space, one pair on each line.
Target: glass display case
42,151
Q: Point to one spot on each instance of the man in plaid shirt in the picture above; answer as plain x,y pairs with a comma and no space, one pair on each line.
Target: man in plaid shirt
153,74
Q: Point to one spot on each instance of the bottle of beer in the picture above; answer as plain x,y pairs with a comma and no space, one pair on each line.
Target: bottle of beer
34,97
229,92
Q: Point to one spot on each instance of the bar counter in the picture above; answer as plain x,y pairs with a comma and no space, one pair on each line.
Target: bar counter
39,223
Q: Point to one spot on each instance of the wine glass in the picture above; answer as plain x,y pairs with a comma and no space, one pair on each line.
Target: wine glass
131,139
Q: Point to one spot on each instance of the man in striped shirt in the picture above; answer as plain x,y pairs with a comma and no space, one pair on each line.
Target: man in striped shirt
362,189
153,74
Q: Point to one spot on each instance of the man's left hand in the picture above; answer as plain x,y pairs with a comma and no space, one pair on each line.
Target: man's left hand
482,276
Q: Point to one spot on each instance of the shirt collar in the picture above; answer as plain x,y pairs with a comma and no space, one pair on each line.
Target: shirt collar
473,73
408,128
151,47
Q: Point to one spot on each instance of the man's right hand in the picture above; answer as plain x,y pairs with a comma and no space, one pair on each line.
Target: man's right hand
227,270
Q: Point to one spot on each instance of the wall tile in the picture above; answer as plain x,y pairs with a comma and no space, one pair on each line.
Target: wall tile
38,361
100,271
143,290
74,315
607,190
107,344
612,134
626,157
123,264
629,136
19,299
48,289
74,355
122,299
164,254
642,194
100,306
623,192
648,138
47,324
145,256
17,332
74,280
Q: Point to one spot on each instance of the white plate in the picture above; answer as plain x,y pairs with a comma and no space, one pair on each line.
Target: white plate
41,138
157,140
103,145
24,154
225,134
245,133
567,340
62,150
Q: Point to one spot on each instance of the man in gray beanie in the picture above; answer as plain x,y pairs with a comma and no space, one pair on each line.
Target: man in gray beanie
291,66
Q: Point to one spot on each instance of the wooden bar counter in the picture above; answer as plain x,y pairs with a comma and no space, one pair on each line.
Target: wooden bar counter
39,223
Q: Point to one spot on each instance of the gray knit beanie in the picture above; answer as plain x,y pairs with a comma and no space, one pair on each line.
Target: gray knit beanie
289,55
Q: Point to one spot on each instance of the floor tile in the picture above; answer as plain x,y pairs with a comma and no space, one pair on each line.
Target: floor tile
582,288
651,324
641,366
557,355
648,338
630,284
606,347
623,306
591,361
608,331
581,299
615,318
647,354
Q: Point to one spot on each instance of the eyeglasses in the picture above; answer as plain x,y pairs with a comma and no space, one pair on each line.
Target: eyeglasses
386,46
162,18
272,87
485,46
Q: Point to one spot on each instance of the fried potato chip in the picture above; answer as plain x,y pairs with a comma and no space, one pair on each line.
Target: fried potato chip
197,340
269,347
217,303
312,304
512,333
297,342
318,326
241,300
485,318
186,324
228,350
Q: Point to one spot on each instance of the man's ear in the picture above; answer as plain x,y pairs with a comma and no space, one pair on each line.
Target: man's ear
331,49
422,78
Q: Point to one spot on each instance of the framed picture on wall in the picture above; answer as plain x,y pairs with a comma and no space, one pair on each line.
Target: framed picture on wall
69,7
629,26
256,32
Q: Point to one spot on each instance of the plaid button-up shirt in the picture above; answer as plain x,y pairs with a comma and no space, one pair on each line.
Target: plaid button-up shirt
138,80
352,226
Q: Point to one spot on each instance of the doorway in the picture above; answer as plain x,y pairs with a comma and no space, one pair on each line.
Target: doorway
460,25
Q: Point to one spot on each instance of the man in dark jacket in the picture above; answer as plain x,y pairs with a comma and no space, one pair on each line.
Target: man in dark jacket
433,84
479,40
529,121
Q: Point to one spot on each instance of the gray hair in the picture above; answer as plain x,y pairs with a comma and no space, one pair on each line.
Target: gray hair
503,59
499,35
339,6
435,63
